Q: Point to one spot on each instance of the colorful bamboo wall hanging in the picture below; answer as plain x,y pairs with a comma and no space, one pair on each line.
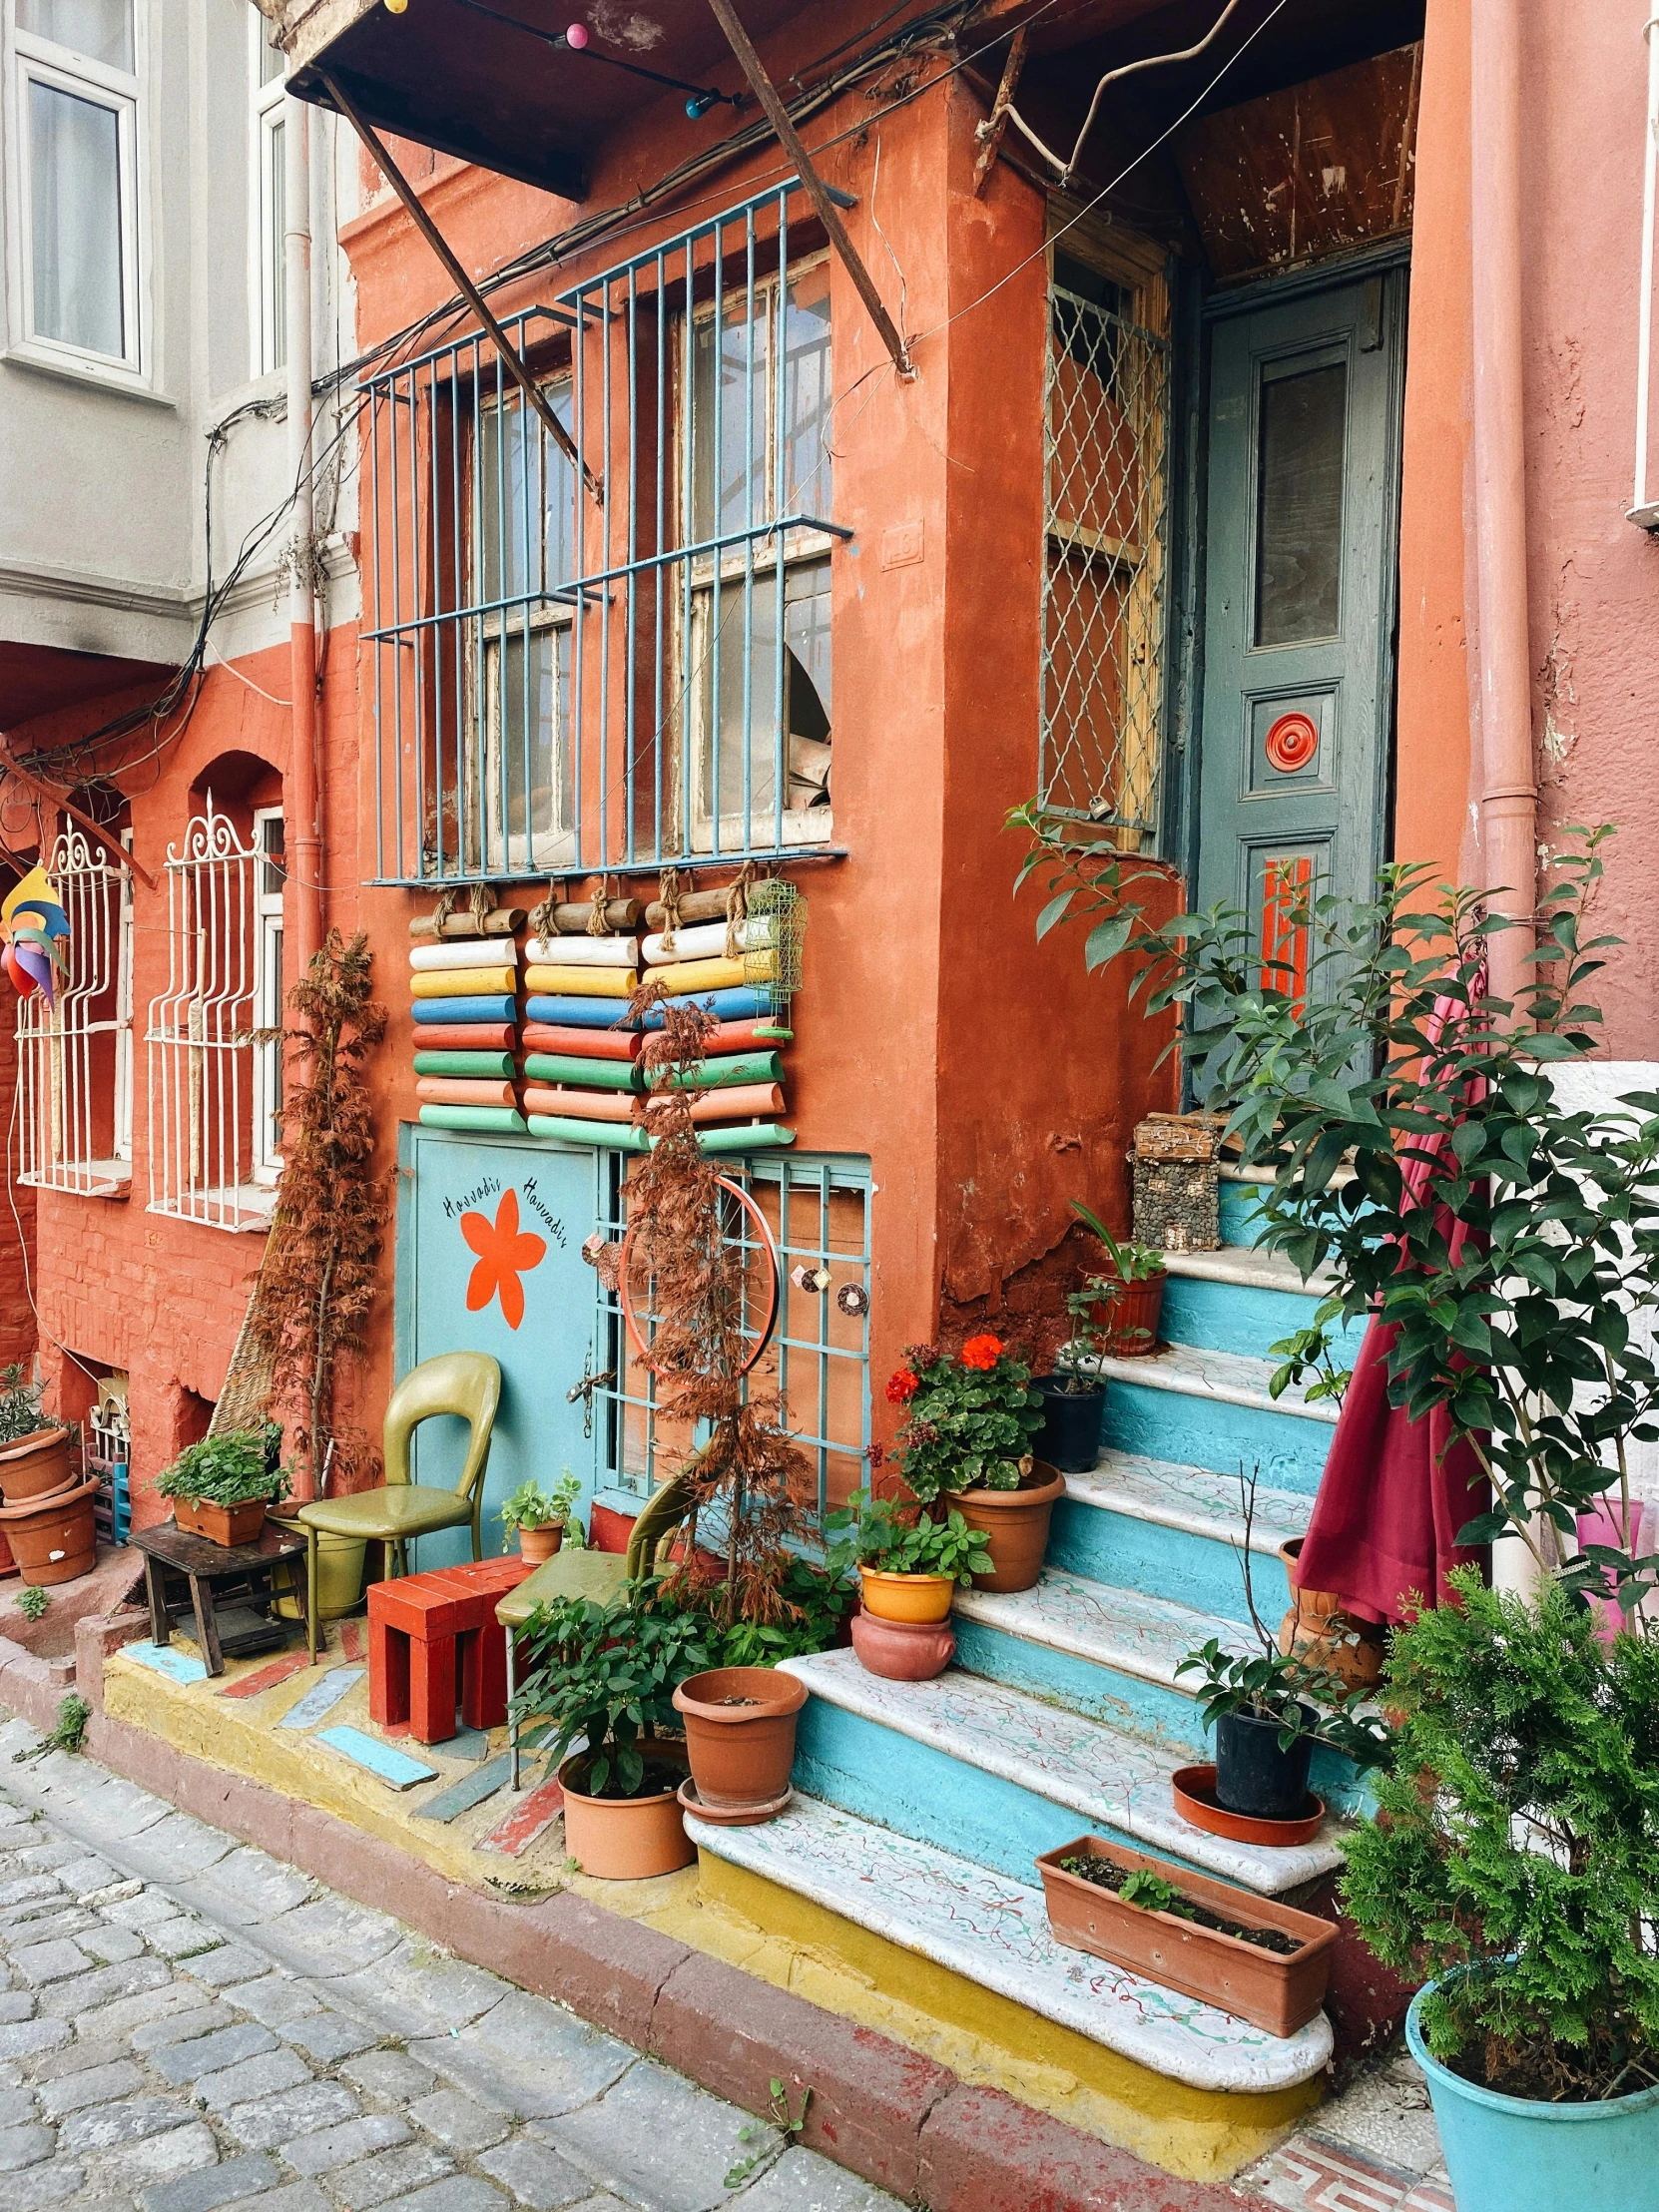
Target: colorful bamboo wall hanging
464,997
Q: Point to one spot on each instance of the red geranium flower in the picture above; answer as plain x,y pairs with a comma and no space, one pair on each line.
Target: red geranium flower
902,1387
982,1352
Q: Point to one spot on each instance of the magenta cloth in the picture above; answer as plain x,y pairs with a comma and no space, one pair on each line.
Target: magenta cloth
1383,1537
1606,1526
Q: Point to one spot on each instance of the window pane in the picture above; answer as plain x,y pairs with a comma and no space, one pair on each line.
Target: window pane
804,486
1299,556
527,490
276,223
744,349
806,693
272,61
75,201
100,29
533,775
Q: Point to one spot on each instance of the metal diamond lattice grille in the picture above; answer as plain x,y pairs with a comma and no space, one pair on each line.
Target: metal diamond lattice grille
1106,414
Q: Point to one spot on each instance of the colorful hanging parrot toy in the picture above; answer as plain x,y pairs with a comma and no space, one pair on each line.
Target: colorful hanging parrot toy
32,921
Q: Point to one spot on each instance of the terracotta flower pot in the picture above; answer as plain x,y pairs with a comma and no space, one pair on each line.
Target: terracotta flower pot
53,1539
1016,1522
36,1466
1276,1992
1318,1630
1129,1321
740,1733
907,1597
220,1524
541,1543
627,1838
902,1651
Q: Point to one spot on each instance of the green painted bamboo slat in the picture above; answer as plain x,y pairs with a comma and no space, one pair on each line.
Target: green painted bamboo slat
586,1076
463,1063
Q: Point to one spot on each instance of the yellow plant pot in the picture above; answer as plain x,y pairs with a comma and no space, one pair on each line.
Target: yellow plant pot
340,1574
907,1597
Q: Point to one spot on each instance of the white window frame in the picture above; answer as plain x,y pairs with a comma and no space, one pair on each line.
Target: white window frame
269,990
57,1108
32,59
267,274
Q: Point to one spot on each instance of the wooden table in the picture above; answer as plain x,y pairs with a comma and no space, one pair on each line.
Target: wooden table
203,1565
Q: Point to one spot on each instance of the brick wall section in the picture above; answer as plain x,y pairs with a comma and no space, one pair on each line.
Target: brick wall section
17,1228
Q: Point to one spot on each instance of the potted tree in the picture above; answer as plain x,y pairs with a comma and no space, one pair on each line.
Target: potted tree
540,1517
604,1675
1073,1396
966,1435
909,1567
1130,1295
1513,1862
34,1453
221,1486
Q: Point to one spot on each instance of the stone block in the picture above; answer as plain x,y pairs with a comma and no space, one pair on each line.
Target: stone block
460,2193
393,2174
276,2000
95,2085
345,2145
21,2037
661,2140
390,2074
267,2121
103,2126
536,2175
254,2079
110,1946
229,1965
25,2146
330,1936
133,1977
329,2036
42,1963
458,2121
227,2183
187,2026
210,2053
530,2056
802,2181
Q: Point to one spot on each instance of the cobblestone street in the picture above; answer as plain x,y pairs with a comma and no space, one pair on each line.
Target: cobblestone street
187,2024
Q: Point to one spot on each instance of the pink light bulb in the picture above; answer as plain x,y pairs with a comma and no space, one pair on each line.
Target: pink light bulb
577,36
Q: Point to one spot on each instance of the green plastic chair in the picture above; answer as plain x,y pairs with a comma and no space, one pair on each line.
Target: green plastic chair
464,1383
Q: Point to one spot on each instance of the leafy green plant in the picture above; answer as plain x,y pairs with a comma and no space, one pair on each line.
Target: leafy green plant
18,1405
1150,1891
1510,1240
1514,1855
1131,1261
232,1470
1074,1362
67,1732
608,1674
1307,1357
890,1538
968,1419
33,1602
818,1600
530,1506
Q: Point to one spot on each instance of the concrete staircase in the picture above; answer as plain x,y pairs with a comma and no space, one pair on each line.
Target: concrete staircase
920,1806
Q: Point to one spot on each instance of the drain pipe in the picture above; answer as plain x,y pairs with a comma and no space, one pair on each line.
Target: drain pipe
1508,776
304,837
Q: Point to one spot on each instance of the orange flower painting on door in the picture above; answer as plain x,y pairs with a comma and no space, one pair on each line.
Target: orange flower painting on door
504,1253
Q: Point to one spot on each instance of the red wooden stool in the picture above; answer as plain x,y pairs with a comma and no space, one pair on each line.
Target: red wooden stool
433,1635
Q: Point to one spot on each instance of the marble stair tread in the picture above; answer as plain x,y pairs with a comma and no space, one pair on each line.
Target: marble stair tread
1232,1376
1097,1772
1249,1268
995,1931
1195,1499
1128,1631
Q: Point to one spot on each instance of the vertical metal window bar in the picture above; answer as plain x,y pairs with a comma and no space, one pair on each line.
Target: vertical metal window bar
74,1059
648,680
1106,473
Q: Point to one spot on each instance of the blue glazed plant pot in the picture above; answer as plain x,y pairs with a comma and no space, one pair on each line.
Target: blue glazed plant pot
1509,2154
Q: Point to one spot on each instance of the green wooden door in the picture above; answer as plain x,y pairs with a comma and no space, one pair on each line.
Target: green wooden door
1299,612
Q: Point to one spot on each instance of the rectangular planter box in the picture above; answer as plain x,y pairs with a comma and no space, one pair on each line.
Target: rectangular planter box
1273,1992
220,1524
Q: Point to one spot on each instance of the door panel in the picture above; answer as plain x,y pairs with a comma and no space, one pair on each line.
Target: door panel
490,1258
1299,604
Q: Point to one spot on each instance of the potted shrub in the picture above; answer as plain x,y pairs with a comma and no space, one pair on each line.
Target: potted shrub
1246,1953
966,1435
221,1486
1073,1396
604,1675
739,1737
540,1517
34,1454
1513,1864
1130,1295
909,1567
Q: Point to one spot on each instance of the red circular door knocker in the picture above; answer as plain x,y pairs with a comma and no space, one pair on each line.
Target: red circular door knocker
1292,743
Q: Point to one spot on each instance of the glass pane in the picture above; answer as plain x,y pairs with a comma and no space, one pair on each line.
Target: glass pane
74,204
100,29
803,482
744,349
525,476
805,692
534,769
272,61
276,201
1299,555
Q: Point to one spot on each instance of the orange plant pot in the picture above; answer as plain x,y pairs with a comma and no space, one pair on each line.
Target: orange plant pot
1315,1628
740,1754
1129,1323
907,1597
53,1539
539,1545
34,1468
229,1525
1016,1522
625,1838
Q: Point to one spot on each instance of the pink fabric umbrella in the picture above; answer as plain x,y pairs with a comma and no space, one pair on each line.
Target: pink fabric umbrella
1395,1491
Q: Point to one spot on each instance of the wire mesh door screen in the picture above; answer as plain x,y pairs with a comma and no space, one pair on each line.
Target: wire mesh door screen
615,656
1106,493
75,1128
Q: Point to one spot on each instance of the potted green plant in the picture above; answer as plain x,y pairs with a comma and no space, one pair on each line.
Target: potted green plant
540,1517
221,1486
1073,1396
605,1676
34,1453
969,1419
1513,1865
1130,1297
908,1566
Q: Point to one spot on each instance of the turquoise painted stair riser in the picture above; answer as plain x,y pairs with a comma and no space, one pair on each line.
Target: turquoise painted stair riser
1239,1316
1286,1449
1195,1571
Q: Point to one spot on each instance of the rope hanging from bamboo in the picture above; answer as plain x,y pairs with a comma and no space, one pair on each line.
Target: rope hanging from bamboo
668,892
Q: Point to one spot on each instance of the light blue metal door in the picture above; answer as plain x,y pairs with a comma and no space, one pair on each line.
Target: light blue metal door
1299,580
490,1258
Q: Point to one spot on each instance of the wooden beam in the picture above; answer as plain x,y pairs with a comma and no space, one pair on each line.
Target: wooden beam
510,355
997,123
827,213
11,765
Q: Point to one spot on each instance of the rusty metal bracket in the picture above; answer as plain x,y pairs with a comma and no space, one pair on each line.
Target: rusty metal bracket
816,190
995,123
510,355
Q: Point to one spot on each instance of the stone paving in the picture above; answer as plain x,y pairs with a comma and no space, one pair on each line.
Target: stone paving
187,2023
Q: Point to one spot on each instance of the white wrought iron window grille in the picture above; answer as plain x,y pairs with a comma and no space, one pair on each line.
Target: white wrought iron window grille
1106,404
624,661
203,1142
75,1066
270,875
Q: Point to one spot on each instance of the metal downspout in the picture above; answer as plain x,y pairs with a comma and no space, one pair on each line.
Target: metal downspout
305,678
